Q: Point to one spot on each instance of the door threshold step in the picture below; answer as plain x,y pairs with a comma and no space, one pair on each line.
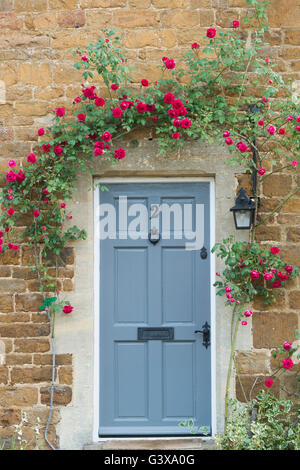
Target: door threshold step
195,443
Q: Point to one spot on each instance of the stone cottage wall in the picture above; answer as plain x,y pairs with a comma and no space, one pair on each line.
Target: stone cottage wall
36,75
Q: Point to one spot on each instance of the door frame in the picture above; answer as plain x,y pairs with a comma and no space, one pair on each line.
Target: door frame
97,261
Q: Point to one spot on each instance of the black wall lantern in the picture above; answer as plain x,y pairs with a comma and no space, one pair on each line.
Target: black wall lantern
243,211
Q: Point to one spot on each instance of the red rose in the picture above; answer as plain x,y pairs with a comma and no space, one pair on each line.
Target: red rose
151,108
226,134
46,147
276,284
170,64
274,250
58,150
124,105
185,123
20,177
261,171
68,309
106,137
269,383
114,86
235,24
84,58
11,176
177,123
41,131
63,205
98,151
228,141
168,98
281,131
173,113
99,102
176,135
141,107
287,346
119,154
144,82
117,112
271,130
242,147
195,45
31,158
11,211
211,32
60,112
261,122
81,117
177,104
254,274
289,268
287,363
36,213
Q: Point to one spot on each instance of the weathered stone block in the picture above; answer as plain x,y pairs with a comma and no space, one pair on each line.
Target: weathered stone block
272,329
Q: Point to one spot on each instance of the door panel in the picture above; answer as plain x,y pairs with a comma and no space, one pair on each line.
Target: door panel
148,387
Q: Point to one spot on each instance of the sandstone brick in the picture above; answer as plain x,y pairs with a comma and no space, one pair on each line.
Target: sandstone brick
248,362
44,22
69,39
32,108
207,17
71,19
290,53
6,5
175,3
103,3
134,19
32,345
63,4
259,302
249,388
5,271
277,185
3,375
292,205
30,375
224,18
291,254
18,396
292,36
11,286
8,74
65,375
66,257
6,304
271,329
168,38
24,331
46,359
9,417
39,318
180,19
68,285
294,300
283,14
10,21
293,234
141,39
30,5
268,232
143,4
23,273
62,395
18,359
15,318
29,302
23,39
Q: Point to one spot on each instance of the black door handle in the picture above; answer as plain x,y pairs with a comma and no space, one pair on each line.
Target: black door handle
206,334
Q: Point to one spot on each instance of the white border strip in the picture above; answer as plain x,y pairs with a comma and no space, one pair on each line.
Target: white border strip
153,180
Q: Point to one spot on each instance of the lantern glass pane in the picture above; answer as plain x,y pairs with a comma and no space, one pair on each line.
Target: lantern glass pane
242,218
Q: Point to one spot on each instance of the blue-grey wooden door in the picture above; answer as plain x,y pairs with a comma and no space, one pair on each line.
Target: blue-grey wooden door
148,386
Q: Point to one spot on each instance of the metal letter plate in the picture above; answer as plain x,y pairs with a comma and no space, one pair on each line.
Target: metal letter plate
149,334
